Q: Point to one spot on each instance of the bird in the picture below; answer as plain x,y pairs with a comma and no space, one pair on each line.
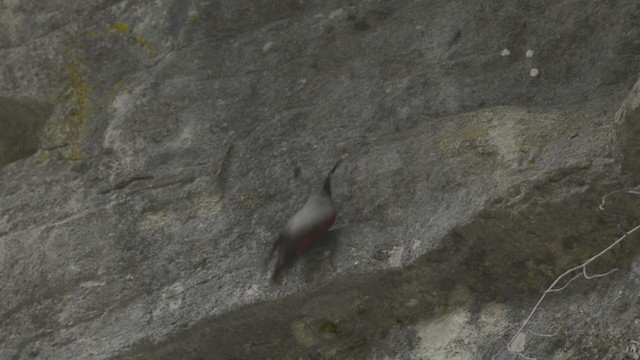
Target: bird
306,226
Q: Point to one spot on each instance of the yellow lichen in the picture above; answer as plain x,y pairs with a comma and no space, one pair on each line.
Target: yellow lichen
142,42
125,30
156,218
80,107
249,198
75,99
120,27
11,185
193,20
42,158
74,153
90,34
468,133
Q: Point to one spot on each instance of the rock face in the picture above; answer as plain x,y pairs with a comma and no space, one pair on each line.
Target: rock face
155,149
21,122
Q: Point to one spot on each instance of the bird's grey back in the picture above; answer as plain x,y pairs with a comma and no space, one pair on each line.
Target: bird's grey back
314,212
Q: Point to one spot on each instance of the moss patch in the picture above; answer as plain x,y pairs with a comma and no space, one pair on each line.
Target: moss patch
21,122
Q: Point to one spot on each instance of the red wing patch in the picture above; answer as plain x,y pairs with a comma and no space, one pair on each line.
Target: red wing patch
315,233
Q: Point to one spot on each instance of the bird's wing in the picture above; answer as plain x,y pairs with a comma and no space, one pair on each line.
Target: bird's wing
310,236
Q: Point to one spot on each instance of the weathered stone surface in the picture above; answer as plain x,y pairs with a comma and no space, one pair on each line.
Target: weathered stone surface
626,131
183,134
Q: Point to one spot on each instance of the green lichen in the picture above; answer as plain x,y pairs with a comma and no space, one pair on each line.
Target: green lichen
320,64
452,299
332,55
459,296
90,34
328,329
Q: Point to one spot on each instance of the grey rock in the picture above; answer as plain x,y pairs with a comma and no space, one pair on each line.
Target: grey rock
165,142
627,124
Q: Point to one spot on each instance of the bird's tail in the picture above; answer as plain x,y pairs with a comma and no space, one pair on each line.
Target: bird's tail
340,160
273,250
327,181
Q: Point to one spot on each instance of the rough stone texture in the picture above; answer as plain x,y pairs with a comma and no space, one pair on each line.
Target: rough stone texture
627,126
183,134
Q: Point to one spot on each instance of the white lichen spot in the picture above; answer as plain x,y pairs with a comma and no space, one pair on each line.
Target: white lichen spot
505,52
635,267
534,72
253,292
90,284
383,162
411,303
302,334
122,105
171,299
208,205
529,53
154,220
336,13
173,290
518,343
443,338
395,256
267,46
184,139
403,112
